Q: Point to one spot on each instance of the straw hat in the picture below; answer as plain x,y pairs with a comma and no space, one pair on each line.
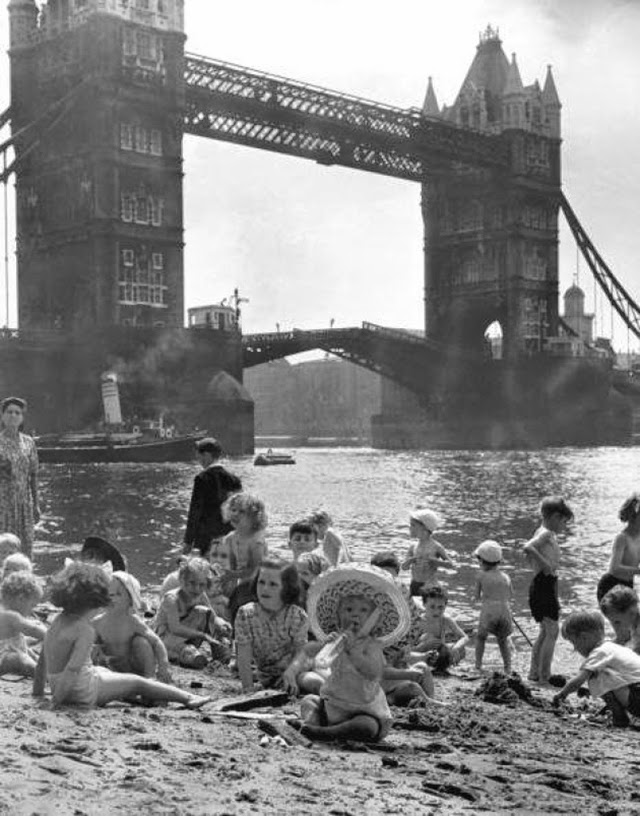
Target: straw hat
490,551
376,584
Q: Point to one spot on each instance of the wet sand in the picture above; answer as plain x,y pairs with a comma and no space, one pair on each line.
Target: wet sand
469,756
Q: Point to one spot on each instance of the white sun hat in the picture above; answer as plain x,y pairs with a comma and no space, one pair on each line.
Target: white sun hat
490,551
427,518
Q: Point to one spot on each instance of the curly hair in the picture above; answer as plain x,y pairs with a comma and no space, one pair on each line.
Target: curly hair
290,592
80,587
321,517
16,562
437,591
246,504
195,567
618,599
579,623
630,509
315,562
20,585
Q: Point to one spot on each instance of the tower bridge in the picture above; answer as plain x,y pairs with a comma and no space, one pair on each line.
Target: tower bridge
102,93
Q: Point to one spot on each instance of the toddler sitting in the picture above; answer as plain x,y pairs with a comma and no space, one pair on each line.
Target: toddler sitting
20,593
441,642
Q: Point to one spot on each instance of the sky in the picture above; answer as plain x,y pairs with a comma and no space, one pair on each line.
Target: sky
307,244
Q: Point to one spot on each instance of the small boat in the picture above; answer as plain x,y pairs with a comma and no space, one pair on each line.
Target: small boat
271,458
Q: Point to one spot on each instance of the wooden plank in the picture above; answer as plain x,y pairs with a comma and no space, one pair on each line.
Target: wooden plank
259,699
281,728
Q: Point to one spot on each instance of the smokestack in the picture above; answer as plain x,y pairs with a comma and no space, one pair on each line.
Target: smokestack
111,399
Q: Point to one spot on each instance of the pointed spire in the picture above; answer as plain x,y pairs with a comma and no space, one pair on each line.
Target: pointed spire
513,85
549,92
430,105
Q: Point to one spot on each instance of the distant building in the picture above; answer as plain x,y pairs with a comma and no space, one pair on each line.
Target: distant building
575,316
319,398
215,316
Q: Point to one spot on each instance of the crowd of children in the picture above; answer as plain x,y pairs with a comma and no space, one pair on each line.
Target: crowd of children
349,638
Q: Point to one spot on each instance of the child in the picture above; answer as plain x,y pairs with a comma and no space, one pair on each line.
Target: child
9,544
309,565
20,593
17,562
403,684
620,607
333,547
436,631
303,538
271,630
185,620
624,564
126,642
218,602
543,554
427,555
247,548
367,607
493,588
612,671
81,589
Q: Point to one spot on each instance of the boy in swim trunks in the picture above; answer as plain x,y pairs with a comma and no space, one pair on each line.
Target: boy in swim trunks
493,588
543,554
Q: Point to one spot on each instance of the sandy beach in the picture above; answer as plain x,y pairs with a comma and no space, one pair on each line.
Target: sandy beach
467,756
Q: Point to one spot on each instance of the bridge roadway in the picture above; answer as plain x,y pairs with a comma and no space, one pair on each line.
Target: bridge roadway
235,104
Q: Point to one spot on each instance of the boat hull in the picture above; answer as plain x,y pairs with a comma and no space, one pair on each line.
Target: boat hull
180,449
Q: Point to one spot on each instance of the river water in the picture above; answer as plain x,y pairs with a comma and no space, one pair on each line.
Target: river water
369,493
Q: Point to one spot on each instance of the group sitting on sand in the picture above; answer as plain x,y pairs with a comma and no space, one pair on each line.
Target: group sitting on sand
348,638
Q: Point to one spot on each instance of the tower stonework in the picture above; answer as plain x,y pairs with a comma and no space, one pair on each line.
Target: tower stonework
99,172
491,237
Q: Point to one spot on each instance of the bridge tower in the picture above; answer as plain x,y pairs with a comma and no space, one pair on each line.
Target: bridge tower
491,237
99,86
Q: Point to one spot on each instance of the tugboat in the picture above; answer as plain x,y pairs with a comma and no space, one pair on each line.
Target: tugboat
148,441
271,458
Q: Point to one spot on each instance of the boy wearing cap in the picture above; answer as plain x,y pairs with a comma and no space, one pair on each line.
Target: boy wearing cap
493,588
427,555
543,553
211,488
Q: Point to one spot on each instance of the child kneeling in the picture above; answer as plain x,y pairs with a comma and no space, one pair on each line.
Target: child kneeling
361,610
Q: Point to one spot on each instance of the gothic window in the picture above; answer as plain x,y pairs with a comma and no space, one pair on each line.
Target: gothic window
146,46
142,140
156,205
126,136
158,260
129,43
142,209
156,143
127,257
139,282
126,208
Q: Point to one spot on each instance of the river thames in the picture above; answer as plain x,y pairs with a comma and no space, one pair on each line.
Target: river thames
369,493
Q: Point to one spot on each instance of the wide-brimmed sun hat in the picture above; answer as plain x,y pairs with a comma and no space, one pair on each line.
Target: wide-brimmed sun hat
376,584
489,551
427,518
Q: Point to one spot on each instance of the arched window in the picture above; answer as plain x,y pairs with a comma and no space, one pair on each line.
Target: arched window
493,340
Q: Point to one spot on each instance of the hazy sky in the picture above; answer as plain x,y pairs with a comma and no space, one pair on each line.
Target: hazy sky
307,243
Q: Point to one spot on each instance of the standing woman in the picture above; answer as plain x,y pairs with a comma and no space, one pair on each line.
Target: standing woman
19,509
625,557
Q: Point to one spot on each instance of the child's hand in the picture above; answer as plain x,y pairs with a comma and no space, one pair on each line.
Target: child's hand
289,682
223,627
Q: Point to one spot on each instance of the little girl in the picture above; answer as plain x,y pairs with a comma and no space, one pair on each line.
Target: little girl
271,631
427,555
185,620
124,640
246,547
333,547
20,593
309,565
368,608
81,589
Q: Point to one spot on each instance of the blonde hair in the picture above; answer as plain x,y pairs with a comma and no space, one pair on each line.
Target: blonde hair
19,585
16,562
246,504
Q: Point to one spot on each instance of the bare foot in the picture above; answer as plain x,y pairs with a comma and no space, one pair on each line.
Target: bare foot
195,701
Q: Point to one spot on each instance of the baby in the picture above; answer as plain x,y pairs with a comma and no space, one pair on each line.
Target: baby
20,593
427,555
125,641
612,671
493,588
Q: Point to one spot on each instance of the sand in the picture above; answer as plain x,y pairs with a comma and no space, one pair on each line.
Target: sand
469,756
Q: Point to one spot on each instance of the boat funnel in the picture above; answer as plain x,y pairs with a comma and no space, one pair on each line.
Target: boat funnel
111,399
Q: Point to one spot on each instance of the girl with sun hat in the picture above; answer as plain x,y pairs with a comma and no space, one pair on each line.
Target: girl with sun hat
358,610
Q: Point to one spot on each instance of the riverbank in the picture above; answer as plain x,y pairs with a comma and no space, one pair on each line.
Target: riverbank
468,756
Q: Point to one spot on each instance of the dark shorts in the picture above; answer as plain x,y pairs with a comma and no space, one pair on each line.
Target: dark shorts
607,582
415,588
543,597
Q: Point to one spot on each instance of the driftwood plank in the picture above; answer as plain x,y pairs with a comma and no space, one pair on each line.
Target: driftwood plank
280,728
259,699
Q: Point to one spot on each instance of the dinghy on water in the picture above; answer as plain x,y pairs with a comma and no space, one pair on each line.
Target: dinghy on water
271,458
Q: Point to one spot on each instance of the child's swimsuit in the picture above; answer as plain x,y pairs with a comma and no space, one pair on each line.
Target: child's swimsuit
495,619
543,597
86,688
16,645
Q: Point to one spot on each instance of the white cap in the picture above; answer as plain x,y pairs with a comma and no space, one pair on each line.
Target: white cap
427,518
490,551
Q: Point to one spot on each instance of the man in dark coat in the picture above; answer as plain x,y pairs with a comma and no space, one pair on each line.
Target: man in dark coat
211,487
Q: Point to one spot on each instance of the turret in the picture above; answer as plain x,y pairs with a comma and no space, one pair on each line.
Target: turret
551,105
513,97
23,22
430,105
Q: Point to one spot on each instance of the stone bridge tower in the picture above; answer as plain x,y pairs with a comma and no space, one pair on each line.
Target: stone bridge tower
491,238
99,177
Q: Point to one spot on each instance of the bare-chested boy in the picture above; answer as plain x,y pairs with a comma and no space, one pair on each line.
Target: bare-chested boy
543,554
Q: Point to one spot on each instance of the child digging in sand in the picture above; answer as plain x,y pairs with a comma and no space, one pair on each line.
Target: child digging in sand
20,593
361,609
543,554
79,590
441,642
125,642
612,671
493,588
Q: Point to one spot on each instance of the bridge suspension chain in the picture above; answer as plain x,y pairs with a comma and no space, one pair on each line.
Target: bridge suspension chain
620,299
